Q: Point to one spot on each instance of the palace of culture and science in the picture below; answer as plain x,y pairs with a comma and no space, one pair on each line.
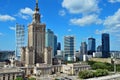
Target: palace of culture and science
37,57
35,51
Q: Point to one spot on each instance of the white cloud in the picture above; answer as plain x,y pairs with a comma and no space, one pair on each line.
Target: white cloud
114,1
118,35
12,28
1,34
98,31
23,16
81,6
6,18
112,24
109,30
86,20
62,12
41,16
69,30
27,11
113,21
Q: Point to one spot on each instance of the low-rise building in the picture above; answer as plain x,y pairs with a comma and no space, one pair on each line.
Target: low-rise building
47,69
97,54
10,73
75,68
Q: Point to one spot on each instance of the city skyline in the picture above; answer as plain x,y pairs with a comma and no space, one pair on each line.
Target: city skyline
63,17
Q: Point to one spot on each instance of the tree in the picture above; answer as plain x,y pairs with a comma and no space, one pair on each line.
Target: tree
86,74
101,72
89,74
31,79
118,67
91,62
99,65
19,78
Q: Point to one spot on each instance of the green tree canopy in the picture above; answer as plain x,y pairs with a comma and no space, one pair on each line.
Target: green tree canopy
99,65
101,72
19,78
86,74
89,74
31,79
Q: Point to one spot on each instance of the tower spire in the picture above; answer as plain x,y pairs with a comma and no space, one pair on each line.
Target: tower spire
36,8
36,1
36,15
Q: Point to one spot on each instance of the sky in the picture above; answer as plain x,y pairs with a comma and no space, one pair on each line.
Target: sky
80,18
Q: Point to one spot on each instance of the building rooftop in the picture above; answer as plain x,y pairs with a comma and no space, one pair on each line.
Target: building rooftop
10,70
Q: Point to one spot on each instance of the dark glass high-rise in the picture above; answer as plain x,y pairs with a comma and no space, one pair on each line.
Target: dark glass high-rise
91,46
105,45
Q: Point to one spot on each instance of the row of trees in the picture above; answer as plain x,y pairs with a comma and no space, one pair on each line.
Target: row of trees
101,65
90,74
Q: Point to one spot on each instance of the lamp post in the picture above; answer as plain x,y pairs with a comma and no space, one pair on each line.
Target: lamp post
114,66
114,62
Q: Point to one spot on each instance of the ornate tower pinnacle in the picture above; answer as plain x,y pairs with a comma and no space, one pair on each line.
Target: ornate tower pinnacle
36,9
36,15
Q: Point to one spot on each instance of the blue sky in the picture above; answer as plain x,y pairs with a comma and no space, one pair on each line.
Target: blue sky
81,18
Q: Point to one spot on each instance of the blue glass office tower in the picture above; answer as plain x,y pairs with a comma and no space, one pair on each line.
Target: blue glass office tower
58,46
69,47
51,41
91,46
55,45
83,48
105,45
99,48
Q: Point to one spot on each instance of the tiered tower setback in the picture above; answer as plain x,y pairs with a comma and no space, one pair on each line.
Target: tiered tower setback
34,52
36,36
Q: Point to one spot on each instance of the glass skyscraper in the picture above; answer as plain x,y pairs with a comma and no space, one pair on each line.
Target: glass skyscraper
105,45
20,38
55,45
69,47
58,46
51,41
99,48
83,48
91,46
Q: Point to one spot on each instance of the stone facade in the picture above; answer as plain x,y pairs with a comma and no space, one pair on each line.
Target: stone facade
46,69
75,68
23,55
30,56
36,39
48,55
10,73
34,52
36,36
